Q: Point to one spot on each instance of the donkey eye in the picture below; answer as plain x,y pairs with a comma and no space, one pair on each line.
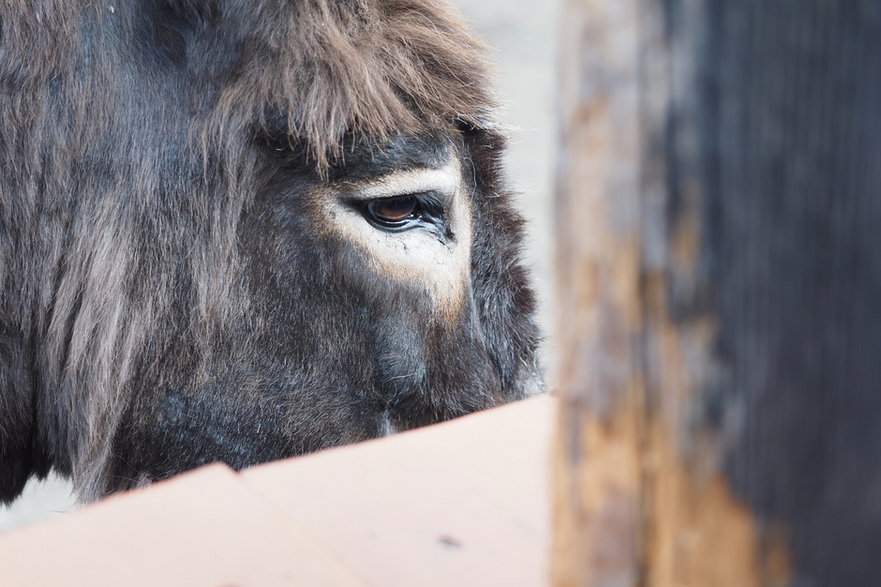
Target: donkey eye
416,210
393,213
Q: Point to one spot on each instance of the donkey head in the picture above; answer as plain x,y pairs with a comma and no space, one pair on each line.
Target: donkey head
244,230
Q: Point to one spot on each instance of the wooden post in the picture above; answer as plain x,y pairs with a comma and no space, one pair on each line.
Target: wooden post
719,214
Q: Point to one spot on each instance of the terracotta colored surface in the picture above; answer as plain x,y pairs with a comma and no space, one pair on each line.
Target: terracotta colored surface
464,503
460,504
204,528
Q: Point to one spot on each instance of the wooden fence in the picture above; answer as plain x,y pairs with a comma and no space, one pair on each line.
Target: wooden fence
720,220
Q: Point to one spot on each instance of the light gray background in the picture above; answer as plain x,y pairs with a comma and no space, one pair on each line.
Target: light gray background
522,37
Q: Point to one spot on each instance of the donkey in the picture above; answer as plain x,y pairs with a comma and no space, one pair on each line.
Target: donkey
242,230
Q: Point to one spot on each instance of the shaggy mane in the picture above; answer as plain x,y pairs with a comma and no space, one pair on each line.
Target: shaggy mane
363,67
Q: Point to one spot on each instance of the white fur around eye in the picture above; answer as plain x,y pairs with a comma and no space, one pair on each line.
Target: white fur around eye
446,181
416,257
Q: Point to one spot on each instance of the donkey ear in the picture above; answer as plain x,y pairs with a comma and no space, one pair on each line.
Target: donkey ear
17,420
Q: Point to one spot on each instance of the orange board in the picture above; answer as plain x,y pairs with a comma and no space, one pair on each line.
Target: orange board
461,503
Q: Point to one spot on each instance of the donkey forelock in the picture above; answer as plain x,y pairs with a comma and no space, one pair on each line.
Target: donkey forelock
139,247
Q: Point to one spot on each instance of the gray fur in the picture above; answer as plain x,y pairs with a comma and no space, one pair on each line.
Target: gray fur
167,298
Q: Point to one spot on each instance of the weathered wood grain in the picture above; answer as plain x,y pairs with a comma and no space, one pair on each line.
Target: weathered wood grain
720,269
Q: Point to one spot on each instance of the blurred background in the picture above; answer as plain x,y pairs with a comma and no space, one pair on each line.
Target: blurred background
523,49
522,42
